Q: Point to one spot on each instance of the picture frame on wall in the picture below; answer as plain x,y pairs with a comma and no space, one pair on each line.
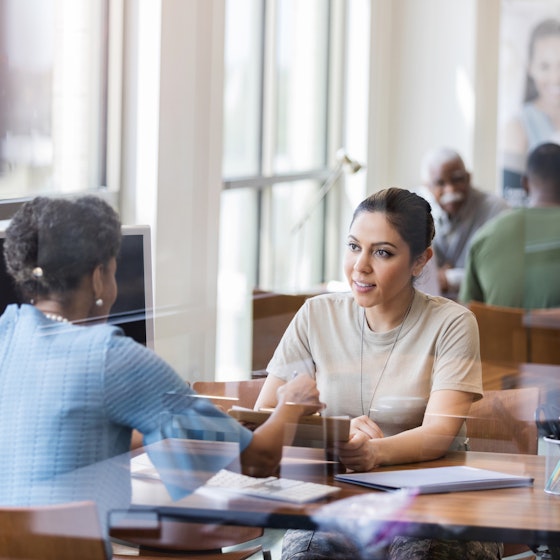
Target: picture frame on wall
529,87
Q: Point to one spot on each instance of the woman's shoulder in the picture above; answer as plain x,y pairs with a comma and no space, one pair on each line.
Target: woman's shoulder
442,307
115,338
324,310
10,312
440,318
330,300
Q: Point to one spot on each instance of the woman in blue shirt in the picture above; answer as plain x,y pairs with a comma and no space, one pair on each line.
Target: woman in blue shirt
73,388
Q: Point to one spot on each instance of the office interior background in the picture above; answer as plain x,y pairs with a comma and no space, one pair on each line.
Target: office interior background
217,122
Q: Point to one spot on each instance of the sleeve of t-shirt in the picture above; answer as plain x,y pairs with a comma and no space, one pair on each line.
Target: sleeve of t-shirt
145,393
457,361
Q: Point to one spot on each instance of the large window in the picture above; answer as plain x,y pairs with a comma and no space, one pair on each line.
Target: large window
53,98
285,95
276,109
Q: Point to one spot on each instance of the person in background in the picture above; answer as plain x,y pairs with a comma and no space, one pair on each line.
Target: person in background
73,388
459,209
538,119
514,259
404,365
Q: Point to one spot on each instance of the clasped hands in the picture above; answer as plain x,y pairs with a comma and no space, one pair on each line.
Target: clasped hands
357,453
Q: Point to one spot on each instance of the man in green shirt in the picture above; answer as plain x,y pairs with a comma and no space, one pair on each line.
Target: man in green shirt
514,259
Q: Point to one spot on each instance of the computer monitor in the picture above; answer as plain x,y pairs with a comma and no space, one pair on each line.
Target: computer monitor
133,309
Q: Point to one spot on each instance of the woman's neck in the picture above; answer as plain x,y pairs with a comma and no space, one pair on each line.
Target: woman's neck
551,108
383,318
56,309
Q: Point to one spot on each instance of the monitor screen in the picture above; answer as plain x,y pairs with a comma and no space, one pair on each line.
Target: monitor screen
133,309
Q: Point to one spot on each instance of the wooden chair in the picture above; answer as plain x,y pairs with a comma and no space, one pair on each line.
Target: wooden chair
228,393
503,337
544,345
272,313
71,531
503,421
54,532
186,541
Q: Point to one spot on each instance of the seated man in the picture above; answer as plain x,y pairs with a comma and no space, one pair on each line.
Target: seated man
514,260
459,209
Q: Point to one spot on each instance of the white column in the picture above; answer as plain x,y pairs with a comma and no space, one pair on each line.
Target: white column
172,177
189,184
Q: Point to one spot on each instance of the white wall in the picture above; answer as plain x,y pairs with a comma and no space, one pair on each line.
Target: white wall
184,166
434,82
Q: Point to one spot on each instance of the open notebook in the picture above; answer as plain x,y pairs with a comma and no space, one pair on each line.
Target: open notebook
437,479
272,487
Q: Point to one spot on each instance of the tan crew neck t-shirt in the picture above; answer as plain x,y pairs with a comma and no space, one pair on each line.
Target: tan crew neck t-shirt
360,371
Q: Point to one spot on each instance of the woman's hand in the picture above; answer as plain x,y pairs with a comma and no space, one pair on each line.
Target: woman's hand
301,391
443,418
366,425
295,399
358,453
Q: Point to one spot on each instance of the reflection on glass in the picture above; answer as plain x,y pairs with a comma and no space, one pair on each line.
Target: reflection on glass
301,85
52,71
242,83
238,262
292,260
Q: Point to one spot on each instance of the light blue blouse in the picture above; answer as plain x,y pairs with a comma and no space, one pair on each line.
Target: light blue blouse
69,398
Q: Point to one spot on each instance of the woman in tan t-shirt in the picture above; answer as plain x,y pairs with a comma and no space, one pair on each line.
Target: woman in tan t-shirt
386,352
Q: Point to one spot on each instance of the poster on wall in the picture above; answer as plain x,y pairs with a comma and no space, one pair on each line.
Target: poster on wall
529,86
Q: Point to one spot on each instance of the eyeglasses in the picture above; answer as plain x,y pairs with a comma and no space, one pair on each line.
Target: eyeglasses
456,180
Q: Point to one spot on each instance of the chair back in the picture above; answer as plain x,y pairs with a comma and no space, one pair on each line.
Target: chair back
228,393
503,337
272,314
54,532
186,537
543,326
503,421
512,335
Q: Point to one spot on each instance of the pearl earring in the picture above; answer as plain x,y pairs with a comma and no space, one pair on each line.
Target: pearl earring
99,302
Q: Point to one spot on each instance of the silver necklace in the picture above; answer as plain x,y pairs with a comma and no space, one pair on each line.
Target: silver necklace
386,359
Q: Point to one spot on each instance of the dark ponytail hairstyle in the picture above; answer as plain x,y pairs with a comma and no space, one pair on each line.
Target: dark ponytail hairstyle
407,212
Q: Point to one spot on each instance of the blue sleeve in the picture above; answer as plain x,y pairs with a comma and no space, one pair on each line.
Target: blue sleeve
143,392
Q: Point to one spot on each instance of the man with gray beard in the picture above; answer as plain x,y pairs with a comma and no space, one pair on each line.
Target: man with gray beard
459,210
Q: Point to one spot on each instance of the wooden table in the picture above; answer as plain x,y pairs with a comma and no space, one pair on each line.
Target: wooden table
510,515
